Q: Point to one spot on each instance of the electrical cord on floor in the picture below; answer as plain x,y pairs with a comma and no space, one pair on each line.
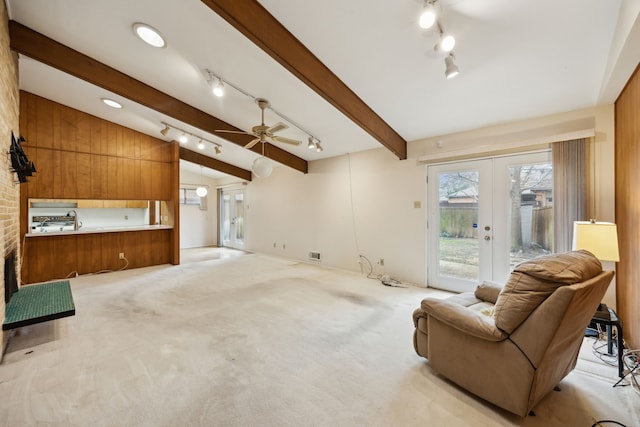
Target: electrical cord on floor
384,279
599,423
605,357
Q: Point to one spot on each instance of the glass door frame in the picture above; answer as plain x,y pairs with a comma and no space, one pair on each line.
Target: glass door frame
494,243
233,241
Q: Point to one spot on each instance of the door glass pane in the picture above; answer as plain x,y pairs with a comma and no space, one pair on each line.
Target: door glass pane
458,241
226,216
531,211
239,204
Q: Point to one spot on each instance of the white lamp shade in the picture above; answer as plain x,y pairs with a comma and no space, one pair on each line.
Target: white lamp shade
262,167
599,238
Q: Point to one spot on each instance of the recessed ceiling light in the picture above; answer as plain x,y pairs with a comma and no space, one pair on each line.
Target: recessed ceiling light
111,103
149,35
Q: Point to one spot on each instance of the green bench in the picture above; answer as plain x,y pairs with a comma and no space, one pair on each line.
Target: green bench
33,304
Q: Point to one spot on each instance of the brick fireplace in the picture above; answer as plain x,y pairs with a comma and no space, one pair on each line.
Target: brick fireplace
9,190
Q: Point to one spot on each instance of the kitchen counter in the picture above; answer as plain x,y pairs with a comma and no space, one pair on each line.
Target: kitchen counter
96,230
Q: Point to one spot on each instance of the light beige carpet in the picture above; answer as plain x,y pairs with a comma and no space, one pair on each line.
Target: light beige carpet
256,341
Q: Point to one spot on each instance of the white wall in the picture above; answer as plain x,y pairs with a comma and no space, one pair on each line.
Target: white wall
313,212
197,227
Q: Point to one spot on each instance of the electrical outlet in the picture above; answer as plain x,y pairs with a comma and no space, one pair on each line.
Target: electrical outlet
121,255
126,217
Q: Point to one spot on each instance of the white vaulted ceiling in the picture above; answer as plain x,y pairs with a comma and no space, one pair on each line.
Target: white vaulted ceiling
518,59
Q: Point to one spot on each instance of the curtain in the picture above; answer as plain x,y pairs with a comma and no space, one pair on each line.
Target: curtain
570,189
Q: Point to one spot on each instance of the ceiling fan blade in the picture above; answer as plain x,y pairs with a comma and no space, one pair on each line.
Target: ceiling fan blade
252,143
286,140
277,127
232,131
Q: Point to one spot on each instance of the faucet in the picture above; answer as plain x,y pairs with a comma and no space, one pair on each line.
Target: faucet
76,223
43,222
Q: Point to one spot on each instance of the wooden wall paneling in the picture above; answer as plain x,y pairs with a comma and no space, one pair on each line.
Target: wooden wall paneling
145,147
111,173
89,253
69,171
627,183
84,186
44,122
57,189
83,124
174,186
156,180
66,118
65,255
146,185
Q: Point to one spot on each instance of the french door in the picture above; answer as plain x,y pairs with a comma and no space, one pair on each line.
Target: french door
232,218
486,216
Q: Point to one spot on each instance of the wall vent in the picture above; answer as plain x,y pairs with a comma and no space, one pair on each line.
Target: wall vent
314,256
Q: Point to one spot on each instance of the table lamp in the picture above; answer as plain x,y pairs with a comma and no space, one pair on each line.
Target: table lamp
599,238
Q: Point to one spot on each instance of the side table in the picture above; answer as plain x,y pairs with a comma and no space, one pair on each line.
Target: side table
610,323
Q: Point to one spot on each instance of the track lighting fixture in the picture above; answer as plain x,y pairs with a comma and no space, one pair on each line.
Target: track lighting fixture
451,69
428,16
218,88
446,41
311,145
319,148
184,137
216,83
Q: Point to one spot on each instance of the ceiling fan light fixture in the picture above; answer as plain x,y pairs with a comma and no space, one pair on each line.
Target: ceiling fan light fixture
262,167
201,191
149,35
428,16
451,69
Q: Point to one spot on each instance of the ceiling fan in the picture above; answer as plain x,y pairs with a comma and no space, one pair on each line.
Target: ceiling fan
264,133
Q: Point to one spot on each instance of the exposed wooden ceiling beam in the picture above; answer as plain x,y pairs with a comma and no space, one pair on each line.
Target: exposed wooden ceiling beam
211,163
48,51
258,25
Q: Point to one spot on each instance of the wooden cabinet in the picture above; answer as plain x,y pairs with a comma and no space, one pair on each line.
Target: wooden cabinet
52,257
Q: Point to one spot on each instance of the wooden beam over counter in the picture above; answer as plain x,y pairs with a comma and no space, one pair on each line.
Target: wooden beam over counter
48,51
258,25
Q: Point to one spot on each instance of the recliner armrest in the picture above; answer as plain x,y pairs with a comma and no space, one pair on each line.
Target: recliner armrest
488,291
463,319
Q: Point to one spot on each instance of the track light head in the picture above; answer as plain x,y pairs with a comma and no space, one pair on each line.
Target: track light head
183,138
201,145
451,69
311,144
428,16
218,150
218,88
166,130
319,148
446,44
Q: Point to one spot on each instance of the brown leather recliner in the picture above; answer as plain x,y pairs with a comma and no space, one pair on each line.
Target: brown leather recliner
513,345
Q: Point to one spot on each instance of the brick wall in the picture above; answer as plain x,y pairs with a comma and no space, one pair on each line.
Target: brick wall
9,191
